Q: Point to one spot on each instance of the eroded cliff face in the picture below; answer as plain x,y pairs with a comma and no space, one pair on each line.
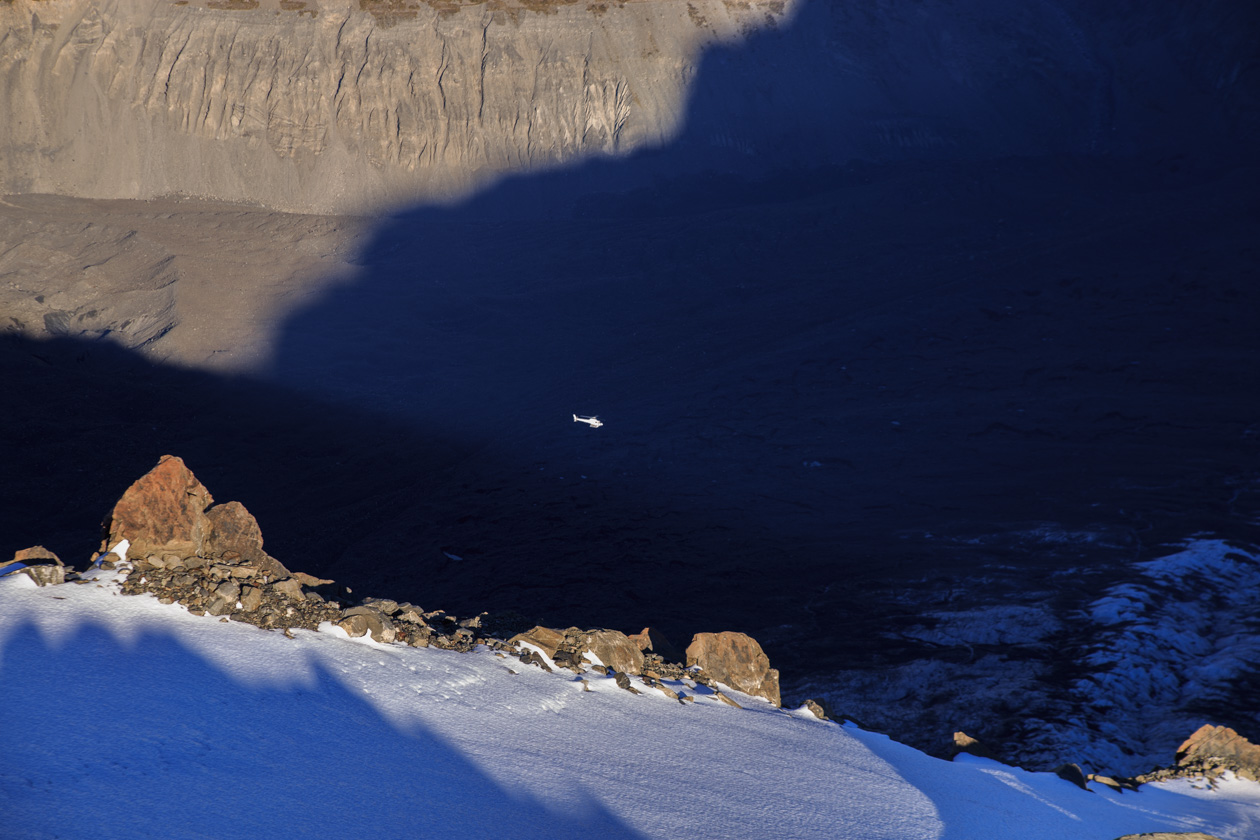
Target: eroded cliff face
334,106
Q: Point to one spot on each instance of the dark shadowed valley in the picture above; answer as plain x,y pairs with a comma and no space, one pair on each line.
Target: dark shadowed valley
908,360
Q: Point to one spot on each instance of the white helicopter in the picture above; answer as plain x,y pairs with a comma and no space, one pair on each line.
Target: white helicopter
593,422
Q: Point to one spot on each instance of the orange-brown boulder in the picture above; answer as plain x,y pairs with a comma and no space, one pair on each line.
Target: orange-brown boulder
736,660
162,512
616,651
230,527
542,637
1221,746
232,532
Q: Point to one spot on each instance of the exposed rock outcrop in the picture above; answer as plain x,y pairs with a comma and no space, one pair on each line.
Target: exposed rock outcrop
342,106
736,660
168,515
615,651
1220,747
163,512
336,105
1208,753
170,540
568,648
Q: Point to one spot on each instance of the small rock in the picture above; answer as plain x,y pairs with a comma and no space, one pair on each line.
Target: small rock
623,681
290,589
664,689
383,605
964,743
45,575
411,615
354,625
728,701
225,597
570,659
309,580
251,598
531,657
1106,781
1072,773
378,624
818,708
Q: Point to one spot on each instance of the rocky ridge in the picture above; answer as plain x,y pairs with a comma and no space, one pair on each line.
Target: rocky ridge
171,540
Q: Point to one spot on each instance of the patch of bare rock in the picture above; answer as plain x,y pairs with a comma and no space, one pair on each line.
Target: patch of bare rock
184,548
1208,754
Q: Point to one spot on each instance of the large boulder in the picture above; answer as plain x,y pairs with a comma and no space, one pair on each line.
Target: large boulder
615,650
162,512
736,660
359,621
232,533
544,638
168,512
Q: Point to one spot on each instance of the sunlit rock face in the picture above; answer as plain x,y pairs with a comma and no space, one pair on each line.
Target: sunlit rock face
336,106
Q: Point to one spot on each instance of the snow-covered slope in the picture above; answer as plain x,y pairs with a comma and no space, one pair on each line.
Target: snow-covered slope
130,718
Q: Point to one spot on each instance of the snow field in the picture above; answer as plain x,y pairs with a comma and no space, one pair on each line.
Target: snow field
136,719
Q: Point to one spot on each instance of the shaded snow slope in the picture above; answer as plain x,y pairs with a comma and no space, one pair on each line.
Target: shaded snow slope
1115,686
142,720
